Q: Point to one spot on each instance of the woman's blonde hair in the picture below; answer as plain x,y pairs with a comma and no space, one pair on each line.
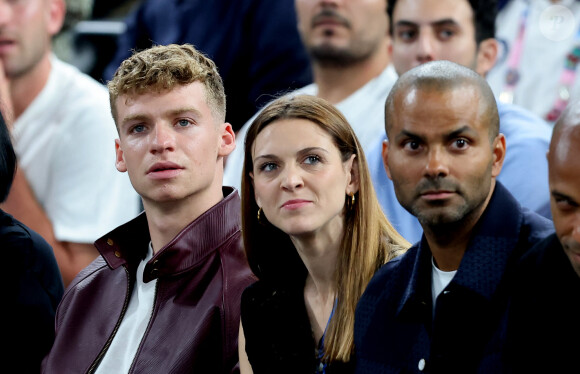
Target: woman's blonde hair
369,239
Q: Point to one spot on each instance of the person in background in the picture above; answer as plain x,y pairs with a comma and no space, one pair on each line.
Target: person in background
462,31
537,64
437,308
254,44
66,187
164,296
314,235
347,42
542,333
34,286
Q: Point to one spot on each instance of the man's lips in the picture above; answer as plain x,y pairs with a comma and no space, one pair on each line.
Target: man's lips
6,44
295,204
436,194
162,170
323,21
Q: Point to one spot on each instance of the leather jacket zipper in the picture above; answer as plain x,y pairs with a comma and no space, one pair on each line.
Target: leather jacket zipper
95,363
148,326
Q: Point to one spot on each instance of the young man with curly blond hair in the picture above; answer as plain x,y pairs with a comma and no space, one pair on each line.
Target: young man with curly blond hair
164,295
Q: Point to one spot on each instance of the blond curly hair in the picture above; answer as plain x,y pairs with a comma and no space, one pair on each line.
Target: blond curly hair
162,68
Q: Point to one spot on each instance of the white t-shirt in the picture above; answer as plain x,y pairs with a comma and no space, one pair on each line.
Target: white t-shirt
440,280
364,110
121,352
64,142
551,33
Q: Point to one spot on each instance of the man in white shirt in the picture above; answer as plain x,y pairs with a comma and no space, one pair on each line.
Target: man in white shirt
66,187
348,46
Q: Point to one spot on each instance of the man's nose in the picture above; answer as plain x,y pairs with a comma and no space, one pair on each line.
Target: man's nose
425,48
436,165
163,138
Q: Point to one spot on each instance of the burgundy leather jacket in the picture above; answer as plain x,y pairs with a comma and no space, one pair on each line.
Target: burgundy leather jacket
194,326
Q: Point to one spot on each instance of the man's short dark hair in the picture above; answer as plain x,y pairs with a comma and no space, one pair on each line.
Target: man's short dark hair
484,14
445,76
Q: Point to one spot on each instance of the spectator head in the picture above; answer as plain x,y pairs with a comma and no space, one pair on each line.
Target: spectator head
444,149
342,33
328,170
26,30
461,31
169,106
564,178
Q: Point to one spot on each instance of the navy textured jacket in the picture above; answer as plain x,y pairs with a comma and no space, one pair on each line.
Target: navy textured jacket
542,328
396,330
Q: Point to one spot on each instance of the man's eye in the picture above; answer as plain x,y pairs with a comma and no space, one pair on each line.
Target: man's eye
565,204
411,145
446,34
183,122
461,143
138,128
406,35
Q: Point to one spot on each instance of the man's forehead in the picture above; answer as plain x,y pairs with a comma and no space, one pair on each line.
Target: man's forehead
460,104
440,12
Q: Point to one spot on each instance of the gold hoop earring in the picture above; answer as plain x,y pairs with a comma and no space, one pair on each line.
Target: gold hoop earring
350,202
259,213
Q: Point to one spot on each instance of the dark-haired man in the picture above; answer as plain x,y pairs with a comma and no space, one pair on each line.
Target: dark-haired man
435,309
347,42
462,31
542,328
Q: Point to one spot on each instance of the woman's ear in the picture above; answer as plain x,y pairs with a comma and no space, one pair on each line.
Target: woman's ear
353,184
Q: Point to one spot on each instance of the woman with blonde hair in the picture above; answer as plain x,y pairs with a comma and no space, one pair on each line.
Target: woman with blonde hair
314,234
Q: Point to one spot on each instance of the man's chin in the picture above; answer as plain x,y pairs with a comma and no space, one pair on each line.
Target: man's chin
435,217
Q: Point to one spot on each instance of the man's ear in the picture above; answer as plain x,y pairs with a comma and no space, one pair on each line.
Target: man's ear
55,16
227,140
120,159
486,56
499,149
386,157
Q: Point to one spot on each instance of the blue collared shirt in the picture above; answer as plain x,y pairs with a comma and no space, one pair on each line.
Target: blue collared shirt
395,328
524,172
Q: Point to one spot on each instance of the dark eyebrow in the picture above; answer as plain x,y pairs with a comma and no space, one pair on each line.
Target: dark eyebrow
445,22
456,133
438,23
407,134
452,135
404,23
